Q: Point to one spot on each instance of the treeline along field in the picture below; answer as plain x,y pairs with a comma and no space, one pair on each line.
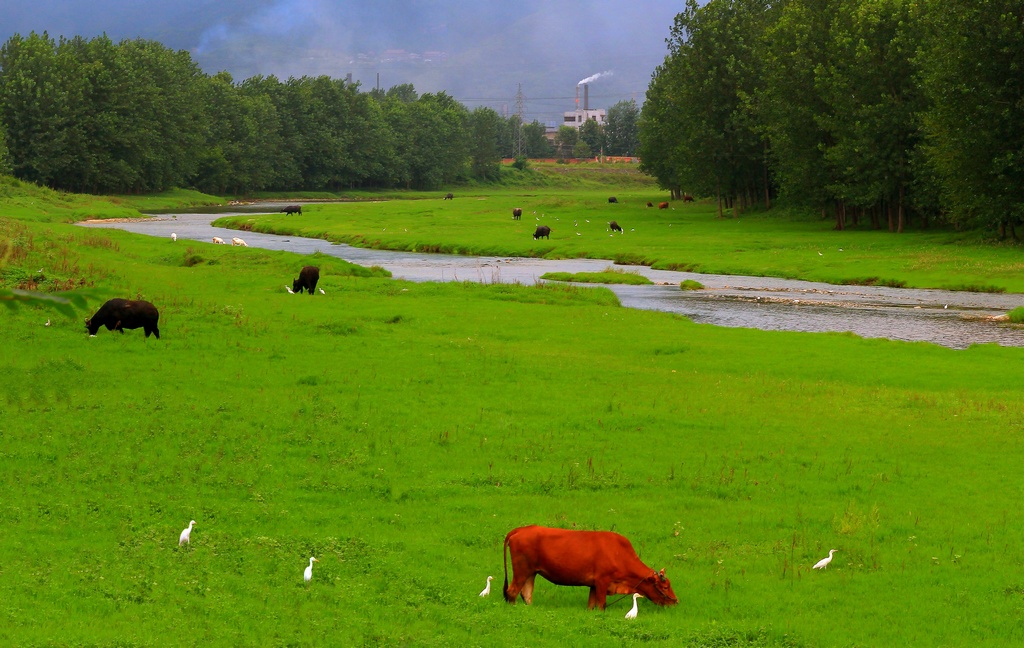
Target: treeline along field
888,112
397,431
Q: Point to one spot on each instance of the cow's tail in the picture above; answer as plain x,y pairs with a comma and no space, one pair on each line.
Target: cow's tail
504,563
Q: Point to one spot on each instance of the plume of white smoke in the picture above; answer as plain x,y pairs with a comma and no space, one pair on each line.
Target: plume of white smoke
595,77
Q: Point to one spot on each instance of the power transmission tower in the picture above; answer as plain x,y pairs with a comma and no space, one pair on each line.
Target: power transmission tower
520,101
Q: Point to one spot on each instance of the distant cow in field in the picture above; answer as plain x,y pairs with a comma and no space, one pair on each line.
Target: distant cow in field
614,227
663,205
292,209
613,199
238,241
449,196
121,314
543,231
517,213
601,560
687,198
308,277
650,204
218,240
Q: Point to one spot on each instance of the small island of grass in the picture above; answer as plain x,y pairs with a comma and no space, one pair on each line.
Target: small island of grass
608,276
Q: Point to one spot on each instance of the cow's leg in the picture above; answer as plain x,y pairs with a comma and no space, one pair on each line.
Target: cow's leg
517,584
528,589
592,600
600,590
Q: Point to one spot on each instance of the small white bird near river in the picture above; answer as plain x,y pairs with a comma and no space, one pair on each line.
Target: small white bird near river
308,574
186,535
633,610
823,563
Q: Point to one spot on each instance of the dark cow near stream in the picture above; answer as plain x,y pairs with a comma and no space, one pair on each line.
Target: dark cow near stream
517,213
121,314
543,231
308,277
292,209
601,560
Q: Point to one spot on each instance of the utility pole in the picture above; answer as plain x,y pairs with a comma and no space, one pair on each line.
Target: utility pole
520,101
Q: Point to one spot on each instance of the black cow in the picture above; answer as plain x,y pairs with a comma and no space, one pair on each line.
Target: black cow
121,314
649,204
517,213
613,199
543,231
308,277
615,227
292,209
687,198
448,196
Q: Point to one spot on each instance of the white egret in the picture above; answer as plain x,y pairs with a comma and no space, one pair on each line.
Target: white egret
186,535
308,574
823,563
633,610
290,291
321,291
47,323
487,590
174,237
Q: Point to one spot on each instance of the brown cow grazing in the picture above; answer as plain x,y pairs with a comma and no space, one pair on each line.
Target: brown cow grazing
543,231
292,209
663,205
613,199
650,204
308,277
449,196
687,198
517,213
614,227
121,314
601,560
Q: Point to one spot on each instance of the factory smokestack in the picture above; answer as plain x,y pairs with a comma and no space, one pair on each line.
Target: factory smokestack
586,96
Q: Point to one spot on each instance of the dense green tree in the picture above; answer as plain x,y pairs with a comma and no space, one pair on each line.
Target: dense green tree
622,129
535,141
485,133
704,103
565,140
974,75
592,134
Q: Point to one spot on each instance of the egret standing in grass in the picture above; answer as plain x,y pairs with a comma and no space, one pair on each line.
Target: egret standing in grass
290,291
487,590
823,563
308,574
186,535
633,610
321,291
174,237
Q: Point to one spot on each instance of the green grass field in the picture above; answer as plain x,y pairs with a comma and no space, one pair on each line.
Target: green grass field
397,431
688,237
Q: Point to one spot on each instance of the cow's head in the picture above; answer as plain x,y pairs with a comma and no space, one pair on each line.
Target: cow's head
657,588
92,329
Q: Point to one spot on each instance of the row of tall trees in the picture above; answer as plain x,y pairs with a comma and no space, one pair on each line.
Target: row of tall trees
882,110
104,117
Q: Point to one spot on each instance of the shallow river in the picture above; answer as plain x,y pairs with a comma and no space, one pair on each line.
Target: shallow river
952,319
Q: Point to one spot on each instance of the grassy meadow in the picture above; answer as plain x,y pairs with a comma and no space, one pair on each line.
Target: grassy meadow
397,431
687,236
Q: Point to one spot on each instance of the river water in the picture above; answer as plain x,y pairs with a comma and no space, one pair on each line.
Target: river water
949,318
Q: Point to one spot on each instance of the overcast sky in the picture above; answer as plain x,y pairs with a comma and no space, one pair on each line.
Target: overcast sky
476,51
